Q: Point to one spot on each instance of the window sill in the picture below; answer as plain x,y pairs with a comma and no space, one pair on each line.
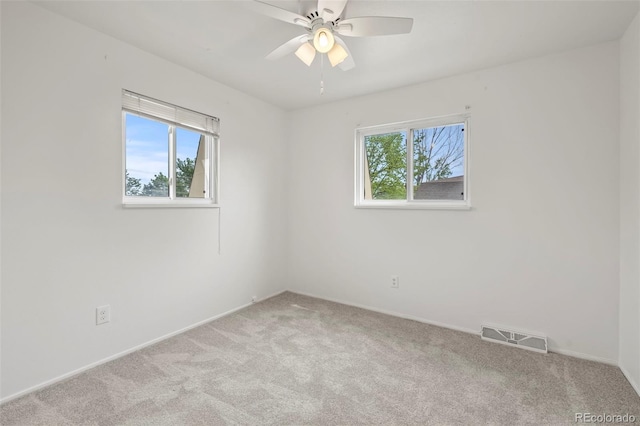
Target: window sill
414,205
165,203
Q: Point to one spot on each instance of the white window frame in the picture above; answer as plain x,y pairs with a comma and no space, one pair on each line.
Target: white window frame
175,117
408,127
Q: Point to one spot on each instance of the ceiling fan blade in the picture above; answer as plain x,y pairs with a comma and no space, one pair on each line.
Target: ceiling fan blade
288,47
348,62
330,10
279,13
365,26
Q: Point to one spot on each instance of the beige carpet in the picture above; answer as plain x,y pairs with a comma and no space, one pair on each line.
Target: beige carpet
295,360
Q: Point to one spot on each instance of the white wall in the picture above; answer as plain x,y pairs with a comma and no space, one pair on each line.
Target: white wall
539,249
630,203
68,245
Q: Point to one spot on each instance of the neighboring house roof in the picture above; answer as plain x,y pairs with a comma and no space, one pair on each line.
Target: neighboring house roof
443,189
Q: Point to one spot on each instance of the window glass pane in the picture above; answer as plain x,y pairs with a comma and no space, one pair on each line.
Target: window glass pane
385,168
190,164
438,163
147,157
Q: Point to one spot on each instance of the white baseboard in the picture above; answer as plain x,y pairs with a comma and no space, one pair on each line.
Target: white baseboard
584,356
392,313
453,327
128,351
635,385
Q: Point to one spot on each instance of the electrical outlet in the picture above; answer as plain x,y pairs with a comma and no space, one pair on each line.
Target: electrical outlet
103,314
395,281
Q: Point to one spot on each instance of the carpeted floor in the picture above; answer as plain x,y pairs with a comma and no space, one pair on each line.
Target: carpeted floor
294,360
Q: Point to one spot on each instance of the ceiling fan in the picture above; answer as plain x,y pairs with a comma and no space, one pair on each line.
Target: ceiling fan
324,26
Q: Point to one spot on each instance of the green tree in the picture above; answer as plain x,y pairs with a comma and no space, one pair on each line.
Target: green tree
184,176
436,151
157,187
133,186
387,159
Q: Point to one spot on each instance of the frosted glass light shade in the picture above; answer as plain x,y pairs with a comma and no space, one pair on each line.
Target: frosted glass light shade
306,53
337,55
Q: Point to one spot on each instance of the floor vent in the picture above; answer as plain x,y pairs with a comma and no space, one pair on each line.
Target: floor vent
514,338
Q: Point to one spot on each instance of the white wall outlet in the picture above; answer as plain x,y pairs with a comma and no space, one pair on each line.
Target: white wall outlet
395,281
103,314
254,299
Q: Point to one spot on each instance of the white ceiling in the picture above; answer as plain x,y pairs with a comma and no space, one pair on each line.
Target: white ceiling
227,41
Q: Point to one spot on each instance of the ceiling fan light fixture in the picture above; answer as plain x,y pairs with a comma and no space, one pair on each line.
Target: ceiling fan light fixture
325,25
323,40
337,54
306,53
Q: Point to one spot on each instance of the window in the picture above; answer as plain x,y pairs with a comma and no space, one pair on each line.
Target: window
417,164
170,154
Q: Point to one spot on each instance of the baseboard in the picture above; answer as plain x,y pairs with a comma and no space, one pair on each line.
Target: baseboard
128,351
392,313
453,327
634,384
584,356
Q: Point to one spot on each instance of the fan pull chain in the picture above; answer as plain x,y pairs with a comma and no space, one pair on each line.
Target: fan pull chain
321,74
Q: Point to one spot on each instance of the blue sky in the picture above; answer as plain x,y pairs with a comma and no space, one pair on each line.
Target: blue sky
458,170
147,147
